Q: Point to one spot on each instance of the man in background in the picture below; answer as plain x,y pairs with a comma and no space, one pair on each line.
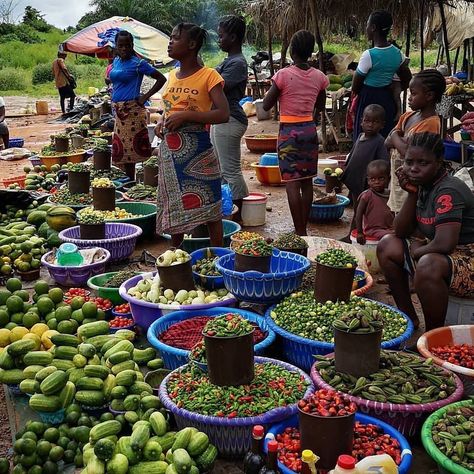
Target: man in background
63,81
4,134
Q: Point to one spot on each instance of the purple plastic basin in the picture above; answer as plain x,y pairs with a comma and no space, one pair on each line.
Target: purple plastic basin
75,276
145,313
120,239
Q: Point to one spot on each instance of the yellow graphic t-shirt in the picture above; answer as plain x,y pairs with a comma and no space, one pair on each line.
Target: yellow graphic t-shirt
191,93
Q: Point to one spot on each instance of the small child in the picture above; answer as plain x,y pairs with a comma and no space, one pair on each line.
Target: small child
374,218
368,147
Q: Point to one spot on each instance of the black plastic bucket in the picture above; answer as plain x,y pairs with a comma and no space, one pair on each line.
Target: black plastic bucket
92,231
348,356
61,144
102,160
230,360
78,182
177,277
103,198
333,184
245,263
332,283
150,176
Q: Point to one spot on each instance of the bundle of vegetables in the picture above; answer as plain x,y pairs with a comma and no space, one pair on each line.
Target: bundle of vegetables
186,334
121,277
273,386
142,192
453,434
63,196
149,289
246,235
254,248
78,167
458,354
402,378
327,403
228,325
91,217
198,353
39,179
102,183
369,440
300,314
467,122
172,257
337,258
116,214
207,266
289,241
360,321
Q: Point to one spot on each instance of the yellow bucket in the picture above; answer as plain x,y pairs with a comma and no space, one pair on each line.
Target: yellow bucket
42,107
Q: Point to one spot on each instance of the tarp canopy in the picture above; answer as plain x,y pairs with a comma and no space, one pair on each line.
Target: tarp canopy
97,39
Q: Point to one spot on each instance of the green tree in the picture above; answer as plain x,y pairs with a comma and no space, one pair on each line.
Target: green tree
33,17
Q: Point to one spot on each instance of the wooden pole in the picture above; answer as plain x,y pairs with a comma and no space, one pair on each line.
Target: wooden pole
422,39
270,49
455,68
445,35
407,54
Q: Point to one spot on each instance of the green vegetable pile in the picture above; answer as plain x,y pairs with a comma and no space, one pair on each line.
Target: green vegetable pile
90,218
142,192
289,241
402,378
63,196
360,321
254,248
272,387
453,434
228,325
302,315
337,258
119,278
207,265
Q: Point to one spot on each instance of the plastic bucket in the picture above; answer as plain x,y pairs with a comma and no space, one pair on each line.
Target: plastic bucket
333,284
460,311
254,210
349,359
61,144
78,182
230,360
329,437
77,141
103,199
177,277
102,160
262,114
245,263
326,163
42,107
92,231
150,176
369,249
333,183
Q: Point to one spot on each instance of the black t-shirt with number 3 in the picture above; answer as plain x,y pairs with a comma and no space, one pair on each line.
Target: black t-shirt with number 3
448,200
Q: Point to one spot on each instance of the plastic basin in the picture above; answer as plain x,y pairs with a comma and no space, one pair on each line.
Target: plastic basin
97,282
462,334
286,274
300,350
74,275
405,448
268,159
267,175
145,313
196,243
174,357
329,212
145,216
209,282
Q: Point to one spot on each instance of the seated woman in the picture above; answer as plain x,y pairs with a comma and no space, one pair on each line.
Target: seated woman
434,234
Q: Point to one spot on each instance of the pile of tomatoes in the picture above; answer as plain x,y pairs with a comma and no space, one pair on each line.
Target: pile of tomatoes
458,354
120,322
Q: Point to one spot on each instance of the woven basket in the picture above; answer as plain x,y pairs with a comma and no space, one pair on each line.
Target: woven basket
406,418
445,465
231,436
174,357
300,350
120,239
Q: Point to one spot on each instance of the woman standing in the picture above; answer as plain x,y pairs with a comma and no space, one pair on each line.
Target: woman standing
189,178
374,75
300,90
226,137
130,142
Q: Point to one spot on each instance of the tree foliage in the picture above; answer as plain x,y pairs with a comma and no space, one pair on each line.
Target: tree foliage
32,17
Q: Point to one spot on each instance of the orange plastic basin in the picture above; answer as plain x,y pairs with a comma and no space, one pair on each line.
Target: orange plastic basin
267,175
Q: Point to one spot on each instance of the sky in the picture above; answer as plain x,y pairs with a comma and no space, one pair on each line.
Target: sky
56,12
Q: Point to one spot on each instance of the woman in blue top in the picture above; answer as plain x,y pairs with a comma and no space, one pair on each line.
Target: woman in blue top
130,144
377,66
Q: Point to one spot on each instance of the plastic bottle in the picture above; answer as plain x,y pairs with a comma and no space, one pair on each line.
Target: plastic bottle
309,460
381,463
345,465
254,460
68,255
272,459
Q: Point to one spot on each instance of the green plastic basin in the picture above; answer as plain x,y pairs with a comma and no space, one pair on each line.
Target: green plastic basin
145,213
96,283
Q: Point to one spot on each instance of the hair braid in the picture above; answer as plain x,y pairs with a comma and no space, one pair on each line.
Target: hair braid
433,81
234,25
382,20
428,141
194,32
302,44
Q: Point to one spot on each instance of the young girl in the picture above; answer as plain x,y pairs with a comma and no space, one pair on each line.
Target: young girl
300,90
189,178
368,147
374,218
226,137
434,234
426,90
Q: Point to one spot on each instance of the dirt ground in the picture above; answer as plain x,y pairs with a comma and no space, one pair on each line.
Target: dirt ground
36,131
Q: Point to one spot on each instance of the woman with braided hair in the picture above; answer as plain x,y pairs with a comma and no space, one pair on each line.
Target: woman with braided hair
434,234
226,137
375,72
426,90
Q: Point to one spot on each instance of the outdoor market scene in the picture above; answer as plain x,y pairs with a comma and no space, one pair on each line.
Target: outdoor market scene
237,236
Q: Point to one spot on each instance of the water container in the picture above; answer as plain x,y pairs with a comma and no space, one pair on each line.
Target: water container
262,114
42,107
460,311
381,463
254,209
369,249
68,255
